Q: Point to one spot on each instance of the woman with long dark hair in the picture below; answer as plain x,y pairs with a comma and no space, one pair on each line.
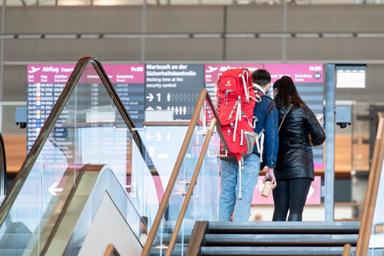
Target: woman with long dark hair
294,171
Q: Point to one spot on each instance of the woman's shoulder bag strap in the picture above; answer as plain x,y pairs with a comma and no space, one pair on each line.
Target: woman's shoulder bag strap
285,115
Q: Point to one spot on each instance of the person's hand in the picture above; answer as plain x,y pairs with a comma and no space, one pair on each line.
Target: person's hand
270,175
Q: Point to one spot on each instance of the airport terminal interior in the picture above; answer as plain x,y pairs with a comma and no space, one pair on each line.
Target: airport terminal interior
111,142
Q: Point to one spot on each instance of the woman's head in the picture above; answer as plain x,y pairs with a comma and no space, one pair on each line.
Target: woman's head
276,88
287,93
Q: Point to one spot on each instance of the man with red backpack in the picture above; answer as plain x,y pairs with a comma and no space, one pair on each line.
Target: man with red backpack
238,181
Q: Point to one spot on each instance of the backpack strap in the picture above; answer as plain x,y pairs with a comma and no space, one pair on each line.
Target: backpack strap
241,166
238,117
244,78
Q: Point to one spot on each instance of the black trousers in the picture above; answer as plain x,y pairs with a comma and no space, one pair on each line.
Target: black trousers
291,195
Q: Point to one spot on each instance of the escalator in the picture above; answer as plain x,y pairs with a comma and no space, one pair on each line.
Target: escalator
88,133
87,151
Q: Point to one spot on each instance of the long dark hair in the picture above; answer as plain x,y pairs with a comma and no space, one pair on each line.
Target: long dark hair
287,93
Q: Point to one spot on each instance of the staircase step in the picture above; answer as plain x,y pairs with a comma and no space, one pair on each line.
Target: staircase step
284,227
264,251
283,239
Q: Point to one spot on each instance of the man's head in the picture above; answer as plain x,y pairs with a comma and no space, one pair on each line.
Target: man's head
261,77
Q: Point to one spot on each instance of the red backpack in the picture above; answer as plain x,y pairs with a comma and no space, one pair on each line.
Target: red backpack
236,100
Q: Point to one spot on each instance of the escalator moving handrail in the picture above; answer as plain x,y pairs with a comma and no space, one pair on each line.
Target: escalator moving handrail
51,121
3,167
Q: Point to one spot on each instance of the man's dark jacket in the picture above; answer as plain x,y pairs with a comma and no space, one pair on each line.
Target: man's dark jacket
267,118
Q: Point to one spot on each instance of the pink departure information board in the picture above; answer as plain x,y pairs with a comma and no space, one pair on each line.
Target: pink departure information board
46,82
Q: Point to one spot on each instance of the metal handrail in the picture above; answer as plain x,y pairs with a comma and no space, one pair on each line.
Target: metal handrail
371,194
51,121
203,97
174,174
111,251
3,167
347,250
215,122
191,187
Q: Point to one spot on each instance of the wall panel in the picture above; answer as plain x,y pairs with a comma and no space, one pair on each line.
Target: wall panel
184,19
124,19
184,49
70,50
14,84
336,18
306,18
335,49
255,49
255,18
73,19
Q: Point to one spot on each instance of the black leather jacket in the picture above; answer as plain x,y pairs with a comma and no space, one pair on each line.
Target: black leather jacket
299,131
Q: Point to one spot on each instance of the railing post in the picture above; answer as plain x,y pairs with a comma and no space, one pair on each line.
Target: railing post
175,172
330,143
362,245
191,187
347,250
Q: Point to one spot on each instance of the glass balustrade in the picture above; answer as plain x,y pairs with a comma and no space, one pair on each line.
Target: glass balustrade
200,164
88,125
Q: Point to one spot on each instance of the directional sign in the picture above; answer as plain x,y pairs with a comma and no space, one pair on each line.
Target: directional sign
173,87
150,97
54,190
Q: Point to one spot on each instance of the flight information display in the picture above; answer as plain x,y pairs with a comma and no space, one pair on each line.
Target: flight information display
46,81
309,79
173,87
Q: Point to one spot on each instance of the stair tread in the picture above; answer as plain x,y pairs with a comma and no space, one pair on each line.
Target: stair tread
284,227
259,250
304,239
